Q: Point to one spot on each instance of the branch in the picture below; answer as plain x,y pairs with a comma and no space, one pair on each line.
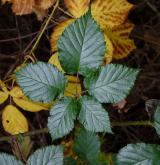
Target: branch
132,123
31,133
45,26
45,130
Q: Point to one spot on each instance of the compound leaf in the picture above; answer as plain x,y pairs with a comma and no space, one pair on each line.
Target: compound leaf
113,83
77,47
87,145
51,155
139,154
62,116
93,116
6,159
41,81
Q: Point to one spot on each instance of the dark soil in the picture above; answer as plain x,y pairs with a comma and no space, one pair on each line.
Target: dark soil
16,33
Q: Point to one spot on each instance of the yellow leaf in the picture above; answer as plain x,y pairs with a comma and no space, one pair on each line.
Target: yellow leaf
16,92
13,120
110,13
73,87
54,61
3,97
58,30
109,50
3,86
3,94
22,101
77,7
119,37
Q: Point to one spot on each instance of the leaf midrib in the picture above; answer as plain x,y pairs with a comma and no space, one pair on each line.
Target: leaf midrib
45,84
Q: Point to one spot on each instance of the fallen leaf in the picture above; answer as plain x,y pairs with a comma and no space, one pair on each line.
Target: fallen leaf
21,7
3,87
119,36
109,50
3,97
13,120
77,7
4,93
110,13
22,148
23,102
54,61
73,87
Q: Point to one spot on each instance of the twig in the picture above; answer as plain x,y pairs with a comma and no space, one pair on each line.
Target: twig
65,12
132,123
44,28
24,36
114,124
17,61
31,133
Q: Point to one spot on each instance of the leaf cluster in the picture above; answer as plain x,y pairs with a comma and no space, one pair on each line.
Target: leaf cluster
81,50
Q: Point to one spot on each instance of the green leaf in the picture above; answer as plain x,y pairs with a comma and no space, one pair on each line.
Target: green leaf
139,154
51,155
87,146
157,120
69,161
113,83
41,81
62,116
93,116
6,159
81,45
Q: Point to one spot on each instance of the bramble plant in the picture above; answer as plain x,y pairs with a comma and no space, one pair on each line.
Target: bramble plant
81,49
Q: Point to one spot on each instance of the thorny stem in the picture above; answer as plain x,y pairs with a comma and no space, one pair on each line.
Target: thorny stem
114,124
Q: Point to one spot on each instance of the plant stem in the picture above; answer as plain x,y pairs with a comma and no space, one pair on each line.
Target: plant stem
45,26
114,124
132,123
31,133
